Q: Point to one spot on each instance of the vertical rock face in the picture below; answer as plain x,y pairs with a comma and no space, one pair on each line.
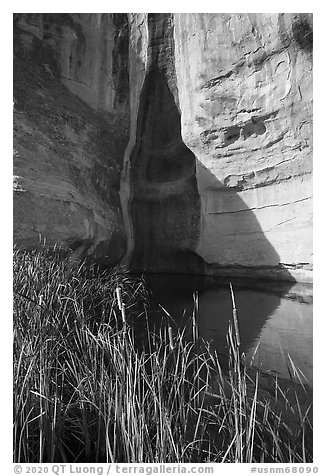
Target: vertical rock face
182,141
221,170
165,207
89,52
245,92
71,120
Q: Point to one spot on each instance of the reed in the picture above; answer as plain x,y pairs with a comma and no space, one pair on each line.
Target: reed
94,383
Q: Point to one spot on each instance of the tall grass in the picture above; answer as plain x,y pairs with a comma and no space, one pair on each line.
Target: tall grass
94,383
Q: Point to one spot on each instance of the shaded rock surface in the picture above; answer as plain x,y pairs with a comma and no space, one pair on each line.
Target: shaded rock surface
165,208
70,131
183,141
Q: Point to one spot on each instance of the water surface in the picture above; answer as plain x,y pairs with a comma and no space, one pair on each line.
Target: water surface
275,320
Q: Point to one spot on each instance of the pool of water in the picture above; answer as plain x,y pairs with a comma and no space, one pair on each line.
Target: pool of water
275,320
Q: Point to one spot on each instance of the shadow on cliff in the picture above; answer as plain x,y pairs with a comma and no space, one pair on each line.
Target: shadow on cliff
169,216
173,225
165,207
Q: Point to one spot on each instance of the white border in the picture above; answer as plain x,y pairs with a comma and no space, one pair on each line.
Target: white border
319,189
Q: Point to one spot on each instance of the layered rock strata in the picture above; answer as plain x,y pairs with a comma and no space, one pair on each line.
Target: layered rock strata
240,87
71,127
246,101
183,141
165,204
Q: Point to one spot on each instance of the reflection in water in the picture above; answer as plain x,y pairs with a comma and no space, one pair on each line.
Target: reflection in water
277,325
287,331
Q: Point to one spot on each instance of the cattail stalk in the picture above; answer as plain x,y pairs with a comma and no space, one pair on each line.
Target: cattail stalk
235,318
195,317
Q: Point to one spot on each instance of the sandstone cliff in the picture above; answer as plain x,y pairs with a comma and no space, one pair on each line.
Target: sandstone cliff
185,137
71,127
221,169
246,102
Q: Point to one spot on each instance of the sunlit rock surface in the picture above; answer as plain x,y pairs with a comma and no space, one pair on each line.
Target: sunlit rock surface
245,92
182,141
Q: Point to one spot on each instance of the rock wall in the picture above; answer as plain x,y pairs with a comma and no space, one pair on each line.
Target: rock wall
221,170
71,128
245,92
165,205
183,141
